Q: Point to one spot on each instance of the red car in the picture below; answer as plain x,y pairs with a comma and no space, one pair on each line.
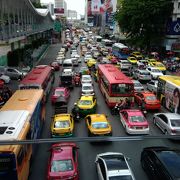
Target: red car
134,121
63,92
148,100
55,65
63,162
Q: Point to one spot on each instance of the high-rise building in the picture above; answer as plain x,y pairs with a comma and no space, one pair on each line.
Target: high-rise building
60,7
50,7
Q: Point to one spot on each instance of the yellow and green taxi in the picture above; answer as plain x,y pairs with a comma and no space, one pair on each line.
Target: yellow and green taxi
91,62
132,60
109,57
151,62
98,125
159,66
62,125
137,55
87,105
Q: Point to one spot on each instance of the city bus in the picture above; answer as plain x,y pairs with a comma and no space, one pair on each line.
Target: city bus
114,85
40,77
120,50
168,92
21,118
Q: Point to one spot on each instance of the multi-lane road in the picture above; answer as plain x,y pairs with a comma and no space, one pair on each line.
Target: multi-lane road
87,150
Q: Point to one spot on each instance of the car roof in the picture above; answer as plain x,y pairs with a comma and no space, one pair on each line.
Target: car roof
60,88
142,70
61,117
147,93
98,117
133,112
86,98
171,115
136,81
86,75
86,84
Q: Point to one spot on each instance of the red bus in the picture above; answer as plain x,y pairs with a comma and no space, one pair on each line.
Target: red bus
114,85
40,77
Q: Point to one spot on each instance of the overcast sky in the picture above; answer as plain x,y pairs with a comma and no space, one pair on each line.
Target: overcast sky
78,5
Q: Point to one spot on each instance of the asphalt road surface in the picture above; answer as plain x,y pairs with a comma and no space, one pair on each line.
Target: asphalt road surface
87,150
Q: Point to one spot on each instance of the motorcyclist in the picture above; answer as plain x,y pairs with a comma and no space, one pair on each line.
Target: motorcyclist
77,79
75,109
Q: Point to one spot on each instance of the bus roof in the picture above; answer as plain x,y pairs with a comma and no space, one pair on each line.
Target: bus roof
11,124
23,100
113,74
119,45
37,75
172,79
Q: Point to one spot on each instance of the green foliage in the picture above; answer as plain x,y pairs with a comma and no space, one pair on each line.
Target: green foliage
144,21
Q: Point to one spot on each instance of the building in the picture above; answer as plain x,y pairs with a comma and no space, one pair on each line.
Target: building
72,14
50,7
60,8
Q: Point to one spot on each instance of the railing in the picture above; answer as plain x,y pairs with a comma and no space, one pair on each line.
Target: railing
14,30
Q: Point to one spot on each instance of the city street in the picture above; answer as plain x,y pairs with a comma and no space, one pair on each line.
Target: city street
87,150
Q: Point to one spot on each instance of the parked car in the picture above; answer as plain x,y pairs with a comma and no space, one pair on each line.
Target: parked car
60,92
63,162
155,73
152,86
87,89
86,79
169,123
98,125
138,87
62,125
147,100
112,166
6,79
134,121
161,163
142,75
87,105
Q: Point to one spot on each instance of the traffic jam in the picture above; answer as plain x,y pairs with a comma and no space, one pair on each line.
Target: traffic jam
135,87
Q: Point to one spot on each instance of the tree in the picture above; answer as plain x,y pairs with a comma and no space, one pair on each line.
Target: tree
144,21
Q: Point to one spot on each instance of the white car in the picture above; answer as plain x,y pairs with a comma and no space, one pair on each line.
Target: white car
152,86
124,64
5,78
138,87
86,79
87,57
155,73
113,165
169,123
87,89
142,75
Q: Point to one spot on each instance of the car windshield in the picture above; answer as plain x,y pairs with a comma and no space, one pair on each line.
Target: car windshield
127,177
61,165
137,85
87,88
151,98
85,102
175,122
62,124
59,93
137,119
86,78
155,70
145,73
100,125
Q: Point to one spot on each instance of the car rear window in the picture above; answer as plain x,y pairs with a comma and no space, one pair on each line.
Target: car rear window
62,124
171,159
61,165
175,122
120,178
100,125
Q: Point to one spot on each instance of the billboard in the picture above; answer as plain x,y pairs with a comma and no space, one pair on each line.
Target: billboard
173,27
95,6
58,10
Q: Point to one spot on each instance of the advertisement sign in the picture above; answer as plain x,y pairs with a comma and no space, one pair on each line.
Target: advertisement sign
89,8
173,27
175,47
172,94
58,10
95,6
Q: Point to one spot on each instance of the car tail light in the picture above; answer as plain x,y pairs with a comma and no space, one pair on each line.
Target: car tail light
173,130
146,126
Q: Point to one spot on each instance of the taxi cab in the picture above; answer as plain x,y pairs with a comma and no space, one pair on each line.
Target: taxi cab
91,62
132,60
137,55
62,125
109,57
159,66
87,105
98,125
152,61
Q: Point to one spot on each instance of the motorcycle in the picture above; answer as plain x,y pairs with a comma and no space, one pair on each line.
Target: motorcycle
76,115
115,110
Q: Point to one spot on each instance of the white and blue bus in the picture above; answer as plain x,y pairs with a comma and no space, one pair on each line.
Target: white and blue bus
120,50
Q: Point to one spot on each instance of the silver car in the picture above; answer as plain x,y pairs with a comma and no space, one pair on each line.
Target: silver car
169,123
152,86
87,89
142,74
113,165
138,87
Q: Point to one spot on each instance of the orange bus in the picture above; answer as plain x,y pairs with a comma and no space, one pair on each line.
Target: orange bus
114,85
40,77
21,119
